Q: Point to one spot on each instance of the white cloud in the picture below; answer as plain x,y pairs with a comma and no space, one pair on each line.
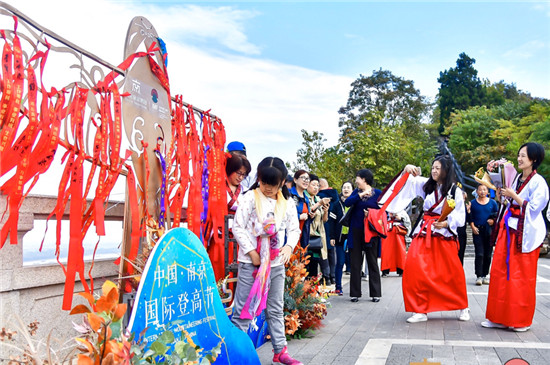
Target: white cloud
224,25
542,7
526,50
262,103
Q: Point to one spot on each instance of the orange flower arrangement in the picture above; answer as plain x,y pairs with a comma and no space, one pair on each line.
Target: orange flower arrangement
305,305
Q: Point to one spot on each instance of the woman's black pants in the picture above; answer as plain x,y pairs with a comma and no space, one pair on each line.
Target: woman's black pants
483,251
356,258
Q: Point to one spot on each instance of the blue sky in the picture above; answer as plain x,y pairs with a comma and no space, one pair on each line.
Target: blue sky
270,69
408,38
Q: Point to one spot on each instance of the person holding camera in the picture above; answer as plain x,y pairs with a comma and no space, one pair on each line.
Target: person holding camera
330,195
317,247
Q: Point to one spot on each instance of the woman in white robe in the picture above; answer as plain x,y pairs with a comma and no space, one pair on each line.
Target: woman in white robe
433,277
520,231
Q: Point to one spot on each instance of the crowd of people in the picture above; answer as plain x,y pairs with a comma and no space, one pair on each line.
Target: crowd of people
354,228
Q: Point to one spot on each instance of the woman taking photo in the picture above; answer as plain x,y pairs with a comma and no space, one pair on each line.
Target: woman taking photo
433,277
298,192
361,200
317,245
520,232
483,210
347,188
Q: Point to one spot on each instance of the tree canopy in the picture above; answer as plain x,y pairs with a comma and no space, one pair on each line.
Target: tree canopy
383,99
460,89
481,134
381,128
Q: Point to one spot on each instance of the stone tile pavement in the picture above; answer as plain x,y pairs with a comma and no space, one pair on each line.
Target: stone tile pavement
367,333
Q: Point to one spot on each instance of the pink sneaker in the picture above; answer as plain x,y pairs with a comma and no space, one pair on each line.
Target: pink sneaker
284,358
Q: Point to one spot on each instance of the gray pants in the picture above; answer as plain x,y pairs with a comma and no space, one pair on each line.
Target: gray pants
274,306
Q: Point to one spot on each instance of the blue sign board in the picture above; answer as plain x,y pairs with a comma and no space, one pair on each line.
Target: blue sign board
178,284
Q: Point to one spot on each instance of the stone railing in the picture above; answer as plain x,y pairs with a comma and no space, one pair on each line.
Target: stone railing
35,293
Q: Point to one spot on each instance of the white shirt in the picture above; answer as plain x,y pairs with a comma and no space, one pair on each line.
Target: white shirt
534,228
413,188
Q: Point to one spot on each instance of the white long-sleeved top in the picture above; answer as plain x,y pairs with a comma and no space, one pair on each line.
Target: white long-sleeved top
246,222
535,193
414,188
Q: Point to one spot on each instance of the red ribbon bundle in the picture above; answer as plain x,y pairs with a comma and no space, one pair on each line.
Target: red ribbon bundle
31,157
214,136
178,175
30,151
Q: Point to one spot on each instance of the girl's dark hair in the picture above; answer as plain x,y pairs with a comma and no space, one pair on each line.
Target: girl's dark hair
535,152
447,172
272,171
297,174
313,177
235,162
367,175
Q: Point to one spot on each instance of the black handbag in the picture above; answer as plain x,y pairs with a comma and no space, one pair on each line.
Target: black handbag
346,219
315,243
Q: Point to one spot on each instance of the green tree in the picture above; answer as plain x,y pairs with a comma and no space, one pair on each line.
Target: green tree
382,128
500,92
385,150
383,99
480,134
460,89
471,138
325,162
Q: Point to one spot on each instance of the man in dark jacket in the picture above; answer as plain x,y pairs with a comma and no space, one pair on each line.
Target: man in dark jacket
328,265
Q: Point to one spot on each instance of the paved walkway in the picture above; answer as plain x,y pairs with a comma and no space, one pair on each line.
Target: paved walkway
367,333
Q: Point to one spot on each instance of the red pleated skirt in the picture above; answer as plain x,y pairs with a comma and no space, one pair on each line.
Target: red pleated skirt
393,251
512,302
433,279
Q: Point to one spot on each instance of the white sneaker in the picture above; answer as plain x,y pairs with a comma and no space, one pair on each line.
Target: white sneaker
417,317
485,281
479,281
520,329
488,324
464,314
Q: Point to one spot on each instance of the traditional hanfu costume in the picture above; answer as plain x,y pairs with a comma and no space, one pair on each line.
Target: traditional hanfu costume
393,247
433,277
521,231
233,198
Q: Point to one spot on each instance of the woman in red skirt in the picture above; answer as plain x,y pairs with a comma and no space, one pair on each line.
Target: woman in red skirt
394,245
433,277
521,230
